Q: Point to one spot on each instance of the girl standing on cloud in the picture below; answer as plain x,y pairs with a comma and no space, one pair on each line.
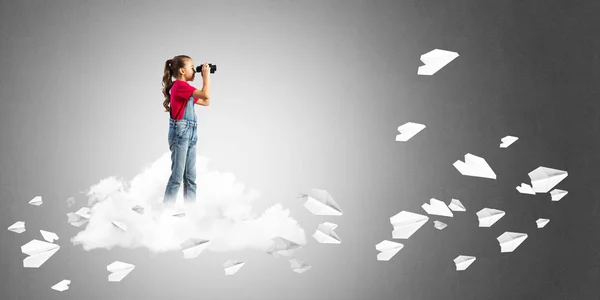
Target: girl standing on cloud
180,97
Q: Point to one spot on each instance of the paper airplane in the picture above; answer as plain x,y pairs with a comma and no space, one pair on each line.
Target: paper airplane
408,130
84,212
508,140
325,234
437,208
456,205
488,216
180,214
282,246
474,166
138,209
39,252
299,266
544,179
62,286
322,204
49,236
76,220
193,247
388,249
406,224
37,201
557,194
462,262
541,222
439,225
120,225
525,189
18,227
509,241
434,60
118,270
232,266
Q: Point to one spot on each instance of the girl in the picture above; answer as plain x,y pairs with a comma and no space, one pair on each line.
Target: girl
180,98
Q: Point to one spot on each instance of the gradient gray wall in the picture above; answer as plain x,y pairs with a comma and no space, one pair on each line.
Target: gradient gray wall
308,94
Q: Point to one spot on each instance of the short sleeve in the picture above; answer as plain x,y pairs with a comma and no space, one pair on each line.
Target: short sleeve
185,91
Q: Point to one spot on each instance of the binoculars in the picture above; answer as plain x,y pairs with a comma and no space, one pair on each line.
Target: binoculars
212,68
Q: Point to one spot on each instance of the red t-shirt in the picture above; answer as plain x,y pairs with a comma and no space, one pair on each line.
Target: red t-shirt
181,91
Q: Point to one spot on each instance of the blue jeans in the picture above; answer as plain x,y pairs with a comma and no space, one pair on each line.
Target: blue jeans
183,137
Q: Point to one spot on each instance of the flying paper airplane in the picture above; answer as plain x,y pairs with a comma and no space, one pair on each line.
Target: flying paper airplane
557,194
76,220
437,208
474,166
509,241
62,286
541,222
138,209
456,205
439,225
408,130
232,266
120,225
119,270
508,140
406,224
37,201
18,227
544,179
192,247
49,236
488,216
39,252
388,249
299,266
322,204
282,246
325,234
434,60
84,212
525,189
462,262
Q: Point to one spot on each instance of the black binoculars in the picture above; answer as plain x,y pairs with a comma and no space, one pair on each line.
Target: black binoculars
212,68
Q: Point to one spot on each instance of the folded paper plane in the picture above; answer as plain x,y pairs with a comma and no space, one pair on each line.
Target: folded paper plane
18,227
406,224
543,179
388,249
525,189
434,60
509,241
439,225
325,234
232,266
37,201
462,262
49,236
456,205
408,130
541,222
437,207
321,204
474,166
118,270
192,247
557,194
39,252
508,140
62,286
282,247
488,216
299,266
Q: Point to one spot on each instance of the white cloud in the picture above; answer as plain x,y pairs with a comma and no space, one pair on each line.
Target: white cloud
222,213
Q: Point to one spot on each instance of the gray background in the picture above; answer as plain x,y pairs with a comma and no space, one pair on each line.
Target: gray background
308,94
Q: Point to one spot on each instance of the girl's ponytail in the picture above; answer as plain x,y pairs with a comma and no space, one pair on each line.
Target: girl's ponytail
167,83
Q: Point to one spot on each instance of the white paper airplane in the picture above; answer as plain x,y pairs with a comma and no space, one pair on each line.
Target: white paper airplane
462,262
192,247
84,212
508,140
406,224
37,201
39,252
322,204
437,207
408,130
232,266
557,194
509,241
120,225
76,220
62,286
541,222
434,60
299,266
488,216
525,189
325,234
388,249
138,209
439,225
282,246
544,179
18,227
118,270
49,236
456,205
474,166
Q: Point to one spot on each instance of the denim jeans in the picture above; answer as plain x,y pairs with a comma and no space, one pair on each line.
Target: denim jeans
182,138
